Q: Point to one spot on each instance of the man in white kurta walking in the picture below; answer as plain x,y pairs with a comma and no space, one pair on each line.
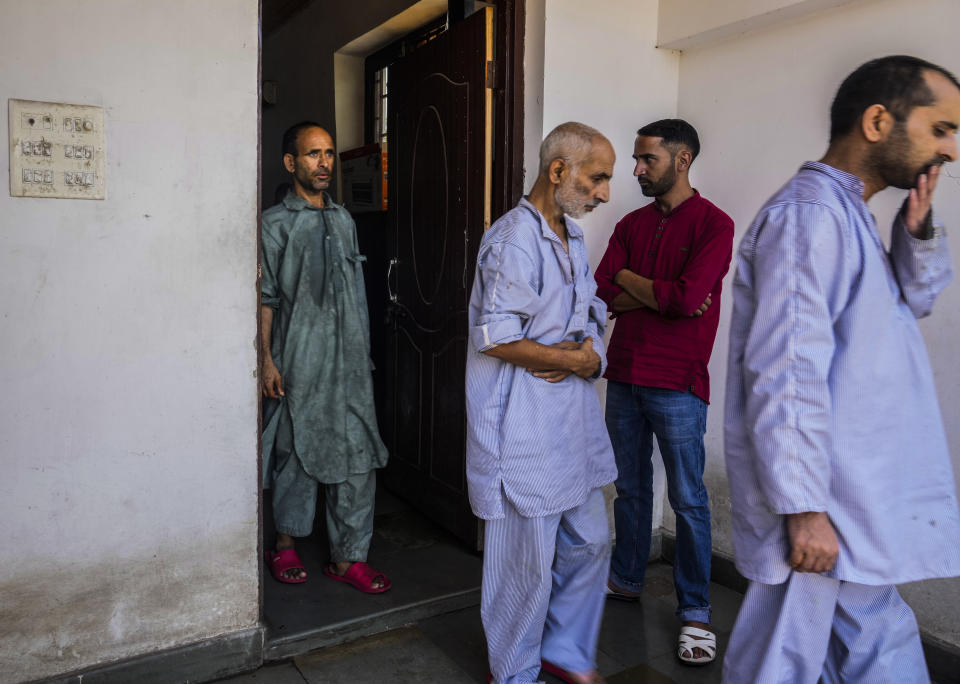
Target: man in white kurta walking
537,449
840,477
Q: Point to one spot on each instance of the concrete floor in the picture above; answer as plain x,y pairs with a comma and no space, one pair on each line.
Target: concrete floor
427,628
431,572
637,645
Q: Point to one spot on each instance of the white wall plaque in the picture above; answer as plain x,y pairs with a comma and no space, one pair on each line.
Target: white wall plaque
56,150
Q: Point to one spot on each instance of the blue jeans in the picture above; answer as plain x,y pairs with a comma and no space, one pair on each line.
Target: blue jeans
634,415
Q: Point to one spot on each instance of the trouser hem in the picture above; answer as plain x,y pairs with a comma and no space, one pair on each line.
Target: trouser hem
618,581
695,614
295,531
349,556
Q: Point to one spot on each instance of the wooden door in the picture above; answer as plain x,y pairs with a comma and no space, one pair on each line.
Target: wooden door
439,130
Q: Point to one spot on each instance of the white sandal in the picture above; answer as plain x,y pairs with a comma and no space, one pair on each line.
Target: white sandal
693,637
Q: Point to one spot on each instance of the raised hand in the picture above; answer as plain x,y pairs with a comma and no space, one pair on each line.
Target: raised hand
917,209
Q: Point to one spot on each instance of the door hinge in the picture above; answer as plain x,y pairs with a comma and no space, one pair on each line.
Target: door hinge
492,74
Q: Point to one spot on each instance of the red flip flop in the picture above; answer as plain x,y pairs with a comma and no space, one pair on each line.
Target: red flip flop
359,576
281,561
560,673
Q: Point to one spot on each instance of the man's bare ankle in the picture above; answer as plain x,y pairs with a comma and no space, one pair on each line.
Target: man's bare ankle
284,541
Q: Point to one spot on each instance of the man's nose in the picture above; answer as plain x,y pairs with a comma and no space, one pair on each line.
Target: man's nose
638,169
603,192
950,151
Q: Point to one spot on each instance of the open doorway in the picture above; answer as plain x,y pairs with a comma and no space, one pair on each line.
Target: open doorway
440,93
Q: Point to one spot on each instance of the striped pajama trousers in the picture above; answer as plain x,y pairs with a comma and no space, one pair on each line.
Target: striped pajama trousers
543,589
813,626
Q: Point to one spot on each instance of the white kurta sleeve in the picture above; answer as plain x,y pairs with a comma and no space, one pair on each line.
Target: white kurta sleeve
508,298
799,267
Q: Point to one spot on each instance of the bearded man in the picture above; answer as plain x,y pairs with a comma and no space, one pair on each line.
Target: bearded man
661,276
320,426
839,472
537,451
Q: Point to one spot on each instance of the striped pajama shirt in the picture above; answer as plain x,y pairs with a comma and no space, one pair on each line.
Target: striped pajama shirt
831,407
537,452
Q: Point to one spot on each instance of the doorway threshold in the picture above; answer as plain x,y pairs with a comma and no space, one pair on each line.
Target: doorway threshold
334,634
431,572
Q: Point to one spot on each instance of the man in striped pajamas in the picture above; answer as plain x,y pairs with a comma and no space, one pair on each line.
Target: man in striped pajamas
840,477
537,450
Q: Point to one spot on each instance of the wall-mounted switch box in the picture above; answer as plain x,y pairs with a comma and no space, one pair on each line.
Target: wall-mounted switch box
56,150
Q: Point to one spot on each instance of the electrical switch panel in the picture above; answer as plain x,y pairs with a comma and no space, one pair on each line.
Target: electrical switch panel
56,150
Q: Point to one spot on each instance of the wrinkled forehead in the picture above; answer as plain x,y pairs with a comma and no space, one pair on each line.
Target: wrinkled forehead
601,154
314,138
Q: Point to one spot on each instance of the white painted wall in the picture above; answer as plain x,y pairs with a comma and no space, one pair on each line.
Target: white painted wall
601,68
533,78
348,86
761,104
128,420
685,24
760,101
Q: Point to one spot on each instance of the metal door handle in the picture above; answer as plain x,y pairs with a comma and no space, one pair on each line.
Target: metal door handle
390,292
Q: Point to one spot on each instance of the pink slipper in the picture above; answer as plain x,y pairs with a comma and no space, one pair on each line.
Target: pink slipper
281,561
360,576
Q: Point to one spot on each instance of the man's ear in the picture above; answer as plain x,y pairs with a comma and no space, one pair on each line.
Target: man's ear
557,169
288,163
876,123
684,159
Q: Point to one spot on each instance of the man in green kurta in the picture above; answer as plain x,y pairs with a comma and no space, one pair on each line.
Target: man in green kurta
320,424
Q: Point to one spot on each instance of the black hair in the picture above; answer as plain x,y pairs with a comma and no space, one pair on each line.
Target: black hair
896,82
291,135
674,132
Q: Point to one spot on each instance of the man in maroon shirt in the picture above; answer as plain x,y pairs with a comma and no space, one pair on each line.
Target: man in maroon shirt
661,278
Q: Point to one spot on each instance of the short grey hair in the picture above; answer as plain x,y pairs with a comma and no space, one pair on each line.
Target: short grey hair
571,142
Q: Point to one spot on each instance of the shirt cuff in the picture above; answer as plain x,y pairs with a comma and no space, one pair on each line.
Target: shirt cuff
495,329
926,241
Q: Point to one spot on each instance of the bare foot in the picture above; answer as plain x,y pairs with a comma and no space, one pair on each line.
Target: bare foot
285,541
698,653
342,567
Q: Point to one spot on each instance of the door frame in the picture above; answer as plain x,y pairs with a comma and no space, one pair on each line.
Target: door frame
508,140
508,113
260,558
